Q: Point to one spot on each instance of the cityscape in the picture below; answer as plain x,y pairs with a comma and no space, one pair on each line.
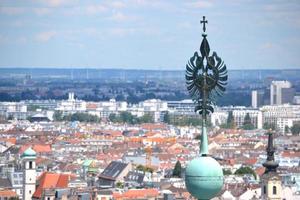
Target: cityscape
203,130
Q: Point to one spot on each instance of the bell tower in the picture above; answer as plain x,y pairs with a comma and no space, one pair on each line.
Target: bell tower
270,181
29,173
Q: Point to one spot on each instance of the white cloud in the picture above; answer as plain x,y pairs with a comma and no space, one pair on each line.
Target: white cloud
120,17
200,4
42,11
267,45
121,32
116,4
21,40
95,9
3,39
12,10
57,3
45,36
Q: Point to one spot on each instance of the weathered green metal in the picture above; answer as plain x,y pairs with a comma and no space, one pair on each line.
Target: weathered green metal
206,77
29,153
205,177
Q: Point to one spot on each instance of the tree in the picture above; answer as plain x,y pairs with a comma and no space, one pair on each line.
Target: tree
177,169
227,172
112,117
58,116
268,126
286,129
144,168
295,129
247,125
166,118
13,198
126,117
230,121
245,170
119,185
147,118
33,107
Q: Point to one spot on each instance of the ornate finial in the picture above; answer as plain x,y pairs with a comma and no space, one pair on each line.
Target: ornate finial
206,77
204,22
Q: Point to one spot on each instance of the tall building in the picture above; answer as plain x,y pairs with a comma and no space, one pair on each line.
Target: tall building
281,92
257,98
29,174
270,181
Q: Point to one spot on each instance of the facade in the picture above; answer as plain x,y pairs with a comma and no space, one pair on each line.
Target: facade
257,98
271,188
106,108
280,115
283,122
219,117
184,107
154,107
281,92
255,115
71,105
16,110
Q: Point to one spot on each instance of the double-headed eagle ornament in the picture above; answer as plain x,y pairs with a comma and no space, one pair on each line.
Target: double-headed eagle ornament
206,77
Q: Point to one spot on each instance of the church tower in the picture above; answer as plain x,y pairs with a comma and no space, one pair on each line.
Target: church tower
270,181
29,173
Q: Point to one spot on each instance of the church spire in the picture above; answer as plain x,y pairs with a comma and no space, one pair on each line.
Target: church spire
270,163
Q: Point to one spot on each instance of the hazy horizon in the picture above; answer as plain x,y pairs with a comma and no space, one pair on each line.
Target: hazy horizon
144,34
136,68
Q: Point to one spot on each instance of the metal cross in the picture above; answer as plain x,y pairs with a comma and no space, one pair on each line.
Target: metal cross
204,22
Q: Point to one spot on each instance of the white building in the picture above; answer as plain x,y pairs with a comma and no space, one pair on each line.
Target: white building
219,117
71,105
283,122
255,116
184,107
257,98
112,106
280,115
154,107
281,92
13,109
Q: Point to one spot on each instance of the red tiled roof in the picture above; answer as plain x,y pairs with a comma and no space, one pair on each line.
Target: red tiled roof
38,148
153,126
7,193
137,193
292,154
91,106
51,180
251,161
11,140
259,171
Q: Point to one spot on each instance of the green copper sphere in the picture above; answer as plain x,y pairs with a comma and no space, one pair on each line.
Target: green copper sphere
204,178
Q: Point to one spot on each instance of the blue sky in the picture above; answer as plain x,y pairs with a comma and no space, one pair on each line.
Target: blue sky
148,34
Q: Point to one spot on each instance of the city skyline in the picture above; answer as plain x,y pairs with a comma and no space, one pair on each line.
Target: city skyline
140,34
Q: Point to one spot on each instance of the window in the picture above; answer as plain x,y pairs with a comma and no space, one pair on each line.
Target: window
265,189
29,191
274,190
48,198
30,164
